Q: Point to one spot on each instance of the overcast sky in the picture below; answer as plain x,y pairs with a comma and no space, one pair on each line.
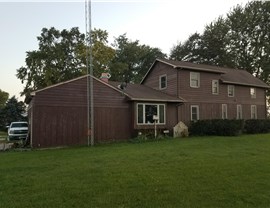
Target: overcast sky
160,23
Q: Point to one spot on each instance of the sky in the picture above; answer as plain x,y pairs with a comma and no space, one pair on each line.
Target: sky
157,23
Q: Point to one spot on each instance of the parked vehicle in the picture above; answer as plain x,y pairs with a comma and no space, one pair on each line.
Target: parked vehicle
17,130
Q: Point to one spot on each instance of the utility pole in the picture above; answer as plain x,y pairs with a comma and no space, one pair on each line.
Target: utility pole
89,65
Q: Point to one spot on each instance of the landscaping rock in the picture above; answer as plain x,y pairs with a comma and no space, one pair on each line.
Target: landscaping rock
180,130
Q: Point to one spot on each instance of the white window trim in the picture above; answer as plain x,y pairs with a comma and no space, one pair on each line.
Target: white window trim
232,91
198,112
253,95
213,81
162,88
255,107
190,75
222,111
239,111
144,104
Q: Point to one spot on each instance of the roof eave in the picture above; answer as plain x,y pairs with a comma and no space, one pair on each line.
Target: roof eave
245,84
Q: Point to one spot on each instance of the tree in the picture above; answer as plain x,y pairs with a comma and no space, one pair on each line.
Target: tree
13,111
62,56
3,98
241,40
132,60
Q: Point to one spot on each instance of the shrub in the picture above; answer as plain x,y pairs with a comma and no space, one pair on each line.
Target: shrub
219,127
255,126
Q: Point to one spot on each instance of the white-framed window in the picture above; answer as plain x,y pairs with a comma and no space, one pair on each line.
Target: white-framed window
195,79
215,87
224,111
194,111
163,82
253,112
253,92
230,90
146,111
239,114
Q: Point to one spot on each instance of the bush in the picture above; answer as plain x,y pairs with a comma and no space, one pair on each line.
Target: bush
219,127
256,126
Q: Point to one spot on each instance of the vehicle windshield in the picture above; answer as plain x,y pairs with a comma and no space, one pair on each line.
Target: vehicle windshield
19,125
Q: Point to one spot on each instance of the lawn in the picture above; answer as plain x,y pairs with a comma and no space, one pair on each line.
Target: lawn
194,172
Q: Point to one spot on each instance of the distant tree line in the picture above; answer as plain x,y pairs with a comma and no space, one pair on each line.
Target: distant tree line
10,110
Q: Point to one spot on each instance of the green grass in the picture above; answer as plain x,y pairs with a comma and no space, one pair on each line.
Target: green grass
194,172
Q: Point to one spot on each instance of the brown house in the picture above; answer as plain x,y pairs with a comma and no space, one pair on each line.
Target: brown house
173,91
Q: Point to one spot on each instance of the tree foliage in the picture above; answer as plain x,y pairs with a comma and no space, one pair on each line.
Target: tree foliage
132,60
240,40
12,111
3,98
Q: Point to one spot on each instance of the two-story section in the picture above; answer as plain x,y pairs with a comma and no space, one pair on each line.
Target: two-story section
209,92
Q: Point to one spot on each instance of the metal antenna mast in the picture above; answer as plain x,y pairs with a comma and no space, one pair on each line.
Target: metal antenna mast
89,65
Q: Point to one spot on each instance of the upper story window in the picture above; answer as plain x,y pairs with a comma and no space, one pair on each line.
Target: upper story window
230,90
146,113
253,92
224,111
194,111
215,87
195,79
163,82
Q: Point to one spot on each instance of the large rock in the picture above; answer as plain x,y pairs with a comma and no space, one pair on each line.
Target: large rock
180,130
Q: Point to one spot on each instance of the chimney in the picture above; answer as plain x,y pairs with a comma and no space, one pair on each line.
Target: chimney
105,77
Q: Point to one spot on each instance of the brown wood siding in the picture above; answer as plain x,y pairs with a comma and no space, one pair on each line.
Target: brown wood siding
152,80
60,115
210,104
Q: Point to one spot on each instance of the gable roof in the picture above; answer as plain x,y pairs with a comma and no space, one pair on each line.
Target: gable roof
228,75
138,92
134,92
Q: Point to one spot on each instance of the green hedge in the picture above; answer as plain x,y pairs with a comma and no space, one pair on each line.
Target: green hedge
224,127
218,127
255,126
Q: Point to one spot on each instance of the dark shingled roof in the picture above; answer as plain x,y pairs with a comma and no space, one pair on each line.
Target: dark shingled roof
139,92
228,75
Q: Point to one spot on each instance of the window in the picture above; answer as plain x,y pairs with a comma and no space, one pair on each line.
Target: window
194,79
194,112
253,92
231,90
253,112
215,87
163,82
224,111
145,113
239,114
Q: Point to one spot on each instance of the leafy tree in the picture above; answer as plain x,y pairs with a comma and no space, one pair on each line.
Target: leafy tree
241,40
62,56
132,60
13,111
101,52
3,98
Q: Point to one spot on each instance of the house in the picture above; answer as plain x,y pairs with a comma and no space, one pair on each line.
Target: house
172,90
210,92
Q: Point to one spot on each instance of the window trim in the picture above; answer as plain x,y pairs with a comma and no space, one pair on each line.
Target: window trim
226,111
198,112
144,104
215,81
255,112
233,90
239,111
198,79
160,77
